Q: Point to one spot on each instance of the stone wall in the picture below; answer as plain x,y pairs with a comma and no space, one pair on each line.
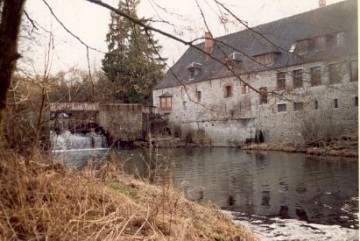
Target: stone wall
122,121
231,120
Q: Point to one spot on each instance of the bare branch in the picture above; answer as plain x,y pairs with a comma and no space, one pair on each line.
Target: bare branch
89,69
31,20
69,31
245,24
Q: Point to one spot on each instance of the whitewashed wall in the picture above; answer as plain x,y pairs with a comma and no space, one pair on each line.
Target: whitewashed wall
213,112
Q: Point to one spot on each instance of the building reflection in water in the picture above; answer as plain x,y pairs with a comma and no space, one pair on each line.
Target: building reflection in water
286,185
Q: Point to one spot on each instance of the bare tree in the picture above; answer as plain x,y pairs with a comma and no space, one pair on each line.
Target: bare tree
9,31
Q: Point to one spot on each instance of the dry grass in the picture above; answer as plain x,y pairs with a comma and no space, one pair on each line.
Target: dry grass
344,146
47,202
285,147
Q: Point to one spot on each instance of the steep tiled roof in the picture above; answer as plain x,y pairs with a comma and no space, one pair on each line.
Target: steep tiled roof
283,33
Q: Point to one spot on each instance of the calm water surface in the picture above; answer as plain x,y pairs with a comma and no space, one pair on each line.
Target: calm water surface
270,184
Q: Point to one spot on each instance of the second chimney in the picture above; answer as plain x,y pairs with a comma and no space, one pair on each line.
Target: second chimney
209,42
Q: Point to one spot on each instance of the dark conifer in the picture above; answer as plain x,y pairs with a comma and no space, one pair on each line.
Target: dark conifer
132,61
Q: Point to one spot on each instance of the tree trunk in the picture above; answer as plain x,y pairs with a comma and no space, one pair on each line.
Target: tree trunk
9,30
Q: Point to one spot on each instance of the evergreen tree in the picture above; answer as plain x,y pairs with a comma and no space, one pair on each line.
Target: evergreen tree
131,63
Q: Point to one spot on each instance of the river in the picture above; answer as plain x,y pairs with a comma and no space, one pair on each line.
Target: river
256,186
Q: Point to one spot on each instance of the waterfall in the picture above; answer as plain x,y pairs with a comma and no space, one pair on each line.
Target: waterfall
76,141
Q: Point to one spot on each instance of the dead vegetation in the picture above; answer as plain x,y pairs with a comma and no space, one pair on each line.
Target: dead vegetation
42,201
344,145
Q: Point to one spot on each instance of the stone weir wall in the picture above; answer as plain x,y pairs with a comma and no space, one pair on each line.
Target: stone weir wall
122,121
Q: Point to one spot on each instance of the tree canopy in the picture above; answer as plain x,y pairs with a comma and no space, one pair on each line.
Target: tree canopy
132,62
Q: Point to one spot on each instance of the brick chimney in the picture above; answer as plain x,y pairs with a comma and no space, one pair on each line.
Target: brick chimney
209,42
322,3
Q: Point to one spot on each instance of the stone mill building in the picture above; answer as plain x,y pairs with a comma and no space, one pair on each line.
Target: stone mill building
292,80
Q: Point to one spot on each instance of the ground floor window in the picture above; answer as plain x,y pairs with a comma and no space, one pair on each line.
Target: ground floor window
298,106
316,105
281,107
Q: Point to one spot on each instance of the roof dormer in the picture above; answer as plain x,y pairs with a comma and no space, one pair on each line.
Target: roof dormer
318,43
194,70
266,58
234,60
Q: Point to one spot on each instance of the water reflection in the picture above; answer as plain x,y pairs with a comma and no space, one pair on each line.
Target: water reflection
261,183
267,183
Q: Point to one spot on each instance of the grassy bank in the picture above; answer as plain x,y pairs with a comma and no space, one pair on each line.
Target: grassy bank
41,201
344,146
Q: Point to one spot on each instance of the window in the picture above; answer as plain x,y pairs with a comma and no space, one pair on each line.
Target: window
311,44
354,71
317,43
281,107
336,104
335,39
266,59
280,81
320,43
302,46
356,103
316,105
297,78
198,96
298,106
244,88
192,72
263,59
165,103
228,91
234,60
335,73
263,95
315,76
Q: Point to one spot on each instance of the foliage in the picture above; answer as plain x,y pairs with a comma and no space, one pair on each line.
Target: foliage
131,62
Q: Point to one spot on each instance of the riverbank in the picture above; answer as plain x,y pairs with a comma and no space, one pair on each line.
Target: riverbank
42,201
343,146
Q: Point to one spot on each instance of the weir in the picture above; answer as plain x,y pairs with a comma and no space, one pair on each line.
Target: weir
78,125
69,141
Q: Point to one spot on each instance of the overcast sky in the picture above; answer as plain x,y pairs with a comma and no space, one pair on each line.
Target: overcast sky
183,19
